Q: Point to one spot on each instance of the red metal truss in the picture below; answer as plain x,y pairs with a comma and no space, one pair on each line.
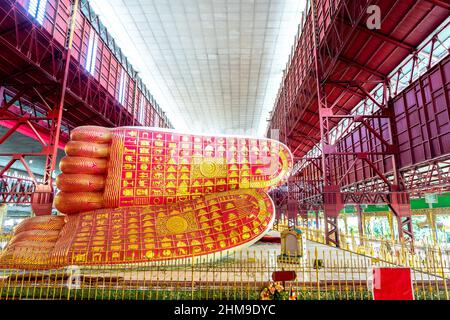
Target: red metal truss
43,202
421,120
32,57
279,198
364,55
16,190
336,64
44,86
362,164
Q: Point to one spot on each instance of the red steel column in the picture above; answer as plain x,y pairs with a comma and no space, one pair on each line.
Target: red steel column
360,221
42,201
332,199
399,198
135,108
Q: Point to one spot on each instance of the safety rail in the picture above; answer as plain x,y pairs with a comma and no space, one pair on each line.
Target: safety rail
320,274
427,55
283,224
16,190
423,256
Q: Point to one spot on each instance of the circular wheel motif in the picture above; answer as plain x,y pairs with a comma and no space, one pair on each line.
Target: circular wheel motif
208,168
176,224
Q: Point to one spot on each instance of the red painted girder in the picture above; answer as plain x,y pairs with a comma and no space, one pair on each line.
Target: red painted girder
296,112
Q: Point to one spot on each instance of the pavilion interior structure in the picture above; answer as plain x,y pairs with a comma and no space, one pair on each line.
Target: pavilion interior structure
225,149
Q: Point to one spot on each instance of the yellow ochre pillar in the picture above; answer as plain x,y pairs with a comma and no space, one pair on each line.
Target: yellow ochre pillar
361,223
345,224
431,217
391,224
3,211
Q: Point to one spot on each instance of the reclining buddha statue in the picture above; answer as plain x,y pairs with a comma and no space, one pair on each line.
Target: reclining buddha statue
139,194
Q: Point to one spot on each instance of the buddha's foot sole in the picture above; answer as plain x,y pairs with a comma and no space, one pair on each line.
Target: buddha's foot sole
133,166
221,222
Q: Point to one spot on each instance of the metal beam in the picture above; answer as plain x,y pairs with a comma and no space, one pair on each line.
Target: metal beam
361,67
440,3
382,36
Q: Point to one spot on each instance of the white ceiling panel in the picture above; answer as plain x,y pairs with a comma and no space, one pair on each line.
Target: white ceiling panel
214,66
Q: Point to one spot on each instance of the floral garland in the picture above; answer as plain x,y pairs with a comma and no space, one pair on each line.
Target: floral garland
273,291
